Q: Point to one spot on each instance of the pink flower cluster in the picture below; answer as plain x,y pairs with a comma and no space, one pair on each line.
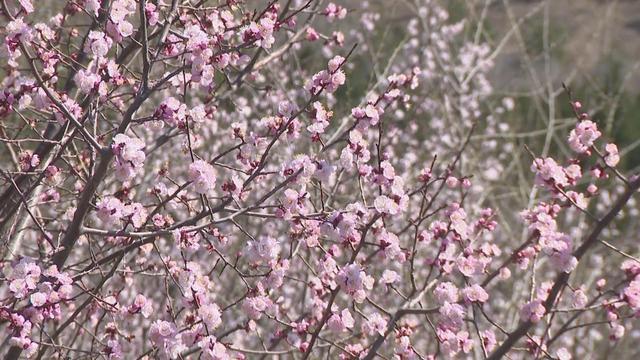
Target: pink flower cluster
118,27
631,293
551,174
260,32
28,160
320,120
533,311
46,290
330,79
341,321
203,176
583,136
263,251
557,245
355,282
333,11
612,157
100,74
172,111
111,211
348,223
98,44
129,156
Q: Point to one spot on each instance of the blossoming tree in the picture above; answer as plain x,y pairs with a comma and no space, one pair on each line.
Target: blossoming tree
203,179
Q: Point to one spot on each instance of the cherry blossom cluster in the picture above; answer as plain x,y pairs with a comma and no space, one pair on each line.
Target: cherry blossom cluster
129,156
46,292
561,248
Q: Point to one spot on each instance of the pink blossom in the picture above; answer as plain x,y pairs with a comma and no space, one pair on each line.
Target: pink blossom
583,136
312,34
579,299
98,43
86,81
449,341
161,329
333,11
260,32
38,299
92,6
355,282
451,316
446,292
390,244
548,171
469,266
630,267
612,158
110,210
533,311
113,349
475,293
203,176
142,304
263,251
152,14
335,63
564,260
163,335
458,223
328,80
321,119
335,214
632,294
212,349
340,322
386,205
488,339
120,30
187,239
452,182
253,307
374,325
27,5
210,315
28,160
390,276
129,156
137,213
120,9
172,111
18,28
